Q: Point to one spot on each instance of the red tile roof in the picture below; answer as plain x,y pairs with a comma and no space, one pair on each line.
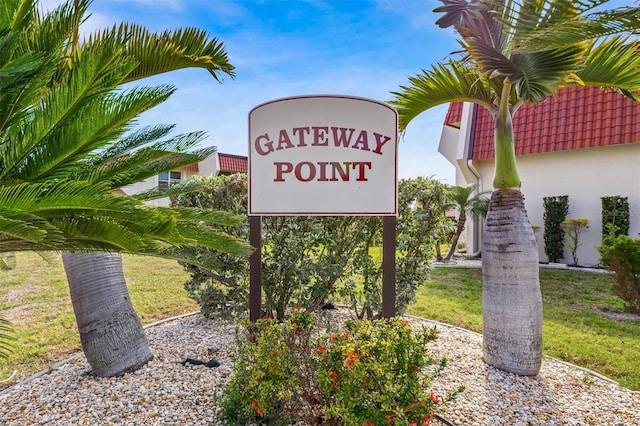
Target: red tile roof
232,163
575,118
190,168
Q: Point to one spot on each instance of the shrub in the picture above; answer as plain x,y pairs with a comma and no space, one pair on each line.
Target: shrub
574,228
621,255
615,215
306,260
555,211
374,372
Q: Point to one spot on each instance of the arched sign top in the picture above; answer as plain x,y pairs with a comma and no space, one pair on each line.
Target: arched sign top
323,155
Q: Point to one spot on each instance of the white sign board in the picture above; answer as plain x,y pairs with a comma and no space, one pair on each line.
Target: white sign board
323,155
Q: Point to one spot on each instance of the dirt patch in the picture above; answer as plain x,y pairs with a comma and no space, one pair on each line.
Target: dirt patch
621,316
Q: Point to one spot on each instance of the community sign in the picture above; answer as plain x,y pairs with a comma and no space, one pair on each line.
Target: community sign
323,155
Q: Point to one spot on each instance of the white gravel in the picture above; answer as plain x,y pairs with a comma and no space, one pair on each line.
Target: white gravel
167,393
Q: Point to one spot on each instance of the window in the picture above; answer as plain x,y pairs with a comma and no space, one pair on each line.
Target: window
168,179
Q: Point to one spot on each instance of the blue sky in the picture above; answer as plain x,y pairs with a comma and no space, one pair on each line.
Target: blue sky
282,48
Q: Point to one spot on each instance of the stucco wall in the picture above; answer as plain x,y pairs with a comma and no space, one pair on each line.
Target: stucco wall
584,175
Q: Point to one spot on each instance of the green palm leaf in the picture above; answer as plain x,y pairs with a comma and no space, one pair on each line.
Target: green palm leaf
169,51
450,82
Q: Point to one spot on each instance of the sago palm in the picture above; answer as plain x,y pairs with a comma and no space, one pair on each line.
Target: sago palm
515,53
66,142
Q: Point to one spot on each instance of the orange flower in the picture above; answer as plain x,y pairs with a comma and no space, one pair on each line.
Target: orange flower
260,411
321,348
334,337
352,358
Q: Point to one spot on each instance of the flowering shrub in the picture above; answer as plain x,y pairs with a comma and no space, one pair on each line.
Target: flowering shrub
372,373
375,374
272,372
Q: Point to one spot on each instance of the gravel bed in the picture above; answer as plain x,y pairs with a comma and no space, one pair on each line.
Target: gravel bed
165,392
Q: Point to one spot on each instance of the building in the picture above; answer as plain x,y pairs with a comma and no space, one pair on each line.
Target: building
583,143
215,164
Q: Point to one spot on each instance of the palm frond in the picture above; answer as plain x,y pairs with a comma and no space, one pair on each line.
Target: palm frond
560,24
206,236
156,193
53,30
449,82
17,14
6,336
128,143
543,73
7,261
193,214
38,153
613,63
169,51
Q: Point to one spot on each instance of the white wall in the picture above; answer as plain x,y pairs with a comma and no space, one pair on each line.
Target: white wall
584,175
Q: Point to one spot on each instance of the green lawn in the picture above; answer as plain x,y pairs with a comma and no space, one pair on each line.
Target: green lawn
35,298
575,328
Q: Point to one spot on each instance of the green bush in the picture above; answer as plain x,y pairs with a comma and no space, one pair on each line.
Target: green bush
615,215
307,260
555,211
621,255
373,372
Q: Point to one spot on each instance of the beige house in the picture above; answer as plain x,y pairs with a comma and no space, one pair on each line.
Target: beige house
583,143
215,164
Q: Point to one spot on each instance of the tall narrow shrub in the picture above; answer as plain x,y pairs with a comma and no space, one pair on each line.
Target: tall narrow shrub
615,215
555,212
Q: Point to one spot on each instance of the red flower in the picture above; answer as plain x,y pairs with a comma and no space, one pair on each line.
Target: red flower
390,418
333,375
321,348
413,424
260,411
252,336
426,420
352,358
254,403
434,397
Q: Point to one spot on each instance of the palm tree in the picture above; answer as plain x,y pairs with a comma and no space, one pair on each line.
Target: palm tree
515,53
66,144
462,198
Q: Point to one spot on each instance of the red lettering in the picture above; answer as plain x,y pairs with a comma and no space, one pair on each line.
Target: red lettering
283,141
361,172
300,132
380,142
323,171
320,136
312,171
282,167
266,148
337,167
362,140
342,139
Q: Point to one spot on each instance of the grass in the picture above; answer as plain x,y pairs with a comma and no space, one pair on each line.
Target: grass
35,298
575,328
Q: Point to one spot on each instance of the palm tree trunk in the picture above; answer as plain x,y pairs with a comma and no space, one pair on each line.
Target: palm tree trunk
511,298
460,227
111,334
